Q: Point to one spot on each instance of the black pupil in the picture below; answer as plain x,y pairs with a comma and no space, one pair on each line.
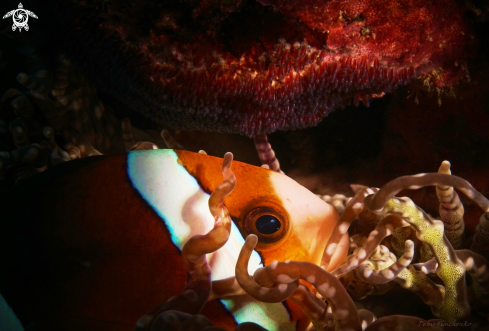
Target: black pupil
267,224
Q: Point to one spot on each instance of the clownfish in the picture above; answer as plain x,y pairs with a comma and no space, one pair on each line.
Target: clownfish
94,243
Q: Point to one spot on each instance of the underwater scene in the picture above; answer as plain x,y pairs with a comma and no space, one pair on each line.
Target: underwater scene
244,165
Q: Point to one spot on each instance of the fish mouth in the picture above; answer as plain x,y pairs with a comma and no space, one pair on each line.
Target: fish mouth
249,67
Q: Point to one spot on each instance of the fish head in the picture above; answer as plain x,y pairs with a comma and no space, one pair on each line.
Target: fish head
290,221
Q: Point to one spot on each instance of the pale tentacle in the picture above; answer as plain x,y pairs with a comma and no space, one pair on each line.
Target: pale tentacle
451,209
428,267
378,200
313,308
266,153
383,229
287,273
373,276
329,319
366,318
352,209
265,294
338,201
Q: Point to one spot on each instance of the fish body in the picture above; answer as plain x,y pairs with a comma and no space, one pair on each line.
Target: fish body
94,244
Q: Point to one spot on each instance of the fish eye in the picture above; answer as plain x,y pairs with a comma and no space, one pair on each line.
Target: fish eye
269,221
267,224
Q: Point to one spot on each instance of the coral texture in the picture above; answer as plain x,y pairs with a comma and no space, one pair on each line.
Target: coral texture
256,67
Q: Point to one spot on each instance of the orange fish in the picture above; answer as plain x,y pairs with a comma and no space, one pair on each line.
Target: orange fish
94,244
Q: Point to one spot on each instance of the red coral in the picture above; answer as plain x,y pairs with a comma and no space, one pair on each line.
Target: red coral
423,34
254,68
